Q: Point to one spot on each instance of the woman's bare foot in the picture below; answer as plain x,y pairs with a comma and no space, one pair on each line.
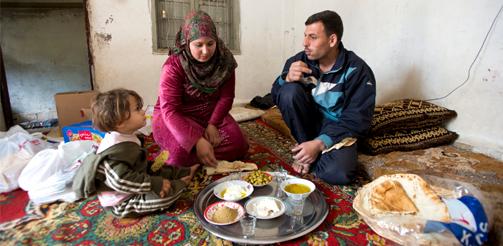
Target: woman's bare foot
193,170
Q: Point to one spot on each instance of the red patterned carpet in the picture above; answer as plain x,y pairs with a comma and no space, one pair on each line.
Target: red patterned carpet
14,209
86,223
12,205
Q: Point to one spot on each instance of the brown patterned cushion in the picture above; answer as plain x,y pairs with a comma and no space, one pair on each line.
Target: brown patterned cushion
407,114
408,140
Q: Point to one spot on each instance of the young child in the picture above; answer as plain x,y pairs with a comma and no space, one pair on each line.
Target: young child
119,172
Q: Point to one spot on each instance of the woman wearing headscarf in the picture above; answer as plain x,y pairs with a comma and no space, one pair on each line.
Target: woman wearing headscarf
191,117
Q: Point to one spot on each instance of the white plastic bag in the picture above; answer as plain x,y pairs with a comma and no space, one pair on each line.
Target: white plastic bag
49,174
17,147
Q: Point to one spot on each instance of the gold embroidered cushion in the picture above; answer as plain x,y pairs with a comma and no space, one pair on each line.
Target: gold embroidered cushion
408,140
407,114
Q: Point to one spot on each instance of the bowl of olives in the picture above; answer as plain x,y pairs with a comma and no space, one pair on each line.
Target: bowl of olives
258,178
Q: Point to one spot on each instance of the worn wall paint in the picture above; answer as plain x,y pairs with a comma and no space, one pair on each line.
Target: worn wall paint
121,47
45,52
417,49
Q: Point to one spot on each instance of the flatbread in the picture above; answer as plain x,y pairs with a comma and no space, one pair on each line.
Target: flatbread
390,196
383,196
394,218
229,167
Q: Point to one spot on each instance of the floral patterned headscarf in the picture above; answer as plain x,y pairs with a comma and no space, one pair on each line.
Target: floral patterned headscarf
207,76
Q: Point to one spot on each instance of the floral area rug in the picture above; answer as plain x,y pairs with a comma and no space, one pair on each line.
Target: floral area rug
16,208
87,223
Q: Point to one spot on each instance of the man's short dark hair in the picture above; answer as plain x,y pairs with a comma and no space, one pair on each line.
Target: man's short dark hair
331,21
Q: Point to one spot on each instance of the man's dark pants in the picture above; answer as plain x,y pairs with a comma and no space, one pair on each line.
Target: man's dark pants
302,116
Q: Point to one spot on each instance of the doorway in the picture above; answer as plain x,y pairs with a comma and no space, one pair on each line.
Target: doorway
44,49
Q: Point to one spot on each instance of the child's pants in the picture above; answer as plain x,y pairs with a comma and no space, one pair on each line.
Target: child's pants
147,203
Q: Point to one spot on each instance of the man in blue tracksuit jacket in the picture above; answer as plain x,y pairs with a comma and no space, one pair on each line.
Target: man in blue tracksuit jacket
326,95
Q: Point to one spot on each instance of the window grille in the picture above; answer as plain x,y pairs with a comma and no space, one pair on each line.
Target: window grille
169,16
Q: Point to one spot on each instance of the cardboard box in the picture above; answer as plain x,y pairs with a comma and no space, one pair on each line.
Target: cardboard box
82,131
69,105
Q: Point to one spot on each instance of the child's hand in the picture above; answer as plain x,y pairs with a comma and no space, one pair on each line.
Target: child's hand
193,170
166,186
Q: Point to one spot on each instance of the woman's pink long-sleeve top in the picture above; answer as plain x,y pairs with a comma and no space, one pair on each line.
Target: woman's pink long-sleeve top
180,119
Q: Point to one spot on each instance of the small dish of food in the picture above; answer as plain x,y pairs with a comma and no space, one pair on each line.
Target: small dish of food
258,178
224,213
265,207
233,190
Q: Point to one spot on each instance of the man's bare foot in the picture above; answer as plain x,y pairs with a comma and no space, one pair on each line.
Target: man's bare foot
296,167
301,168
193,170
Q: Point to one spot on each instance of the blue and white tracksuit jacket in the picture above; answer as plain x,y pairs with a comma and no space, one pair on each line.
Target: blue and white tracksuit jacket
345,95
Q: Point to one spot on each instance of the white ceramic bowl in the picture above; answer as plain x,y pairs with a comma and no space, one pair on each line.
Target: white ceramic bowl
210,211
306,182
233,190
264,203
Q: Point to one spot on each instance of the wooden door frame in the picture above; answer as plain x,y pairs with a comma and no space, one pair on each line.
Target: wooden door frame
4,94
88,40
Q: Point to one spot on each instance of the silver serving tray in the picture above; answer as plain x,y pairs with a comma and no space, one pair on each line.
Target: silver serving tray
280,229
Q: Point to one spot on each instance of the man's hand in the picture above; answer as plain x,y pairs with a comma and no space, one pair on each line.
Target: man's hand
205,153
212,135
166,186
296,71
307,152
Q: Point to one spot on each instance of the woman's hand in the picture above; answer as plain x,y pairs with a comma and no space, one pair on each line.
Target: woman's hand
205,152
212,135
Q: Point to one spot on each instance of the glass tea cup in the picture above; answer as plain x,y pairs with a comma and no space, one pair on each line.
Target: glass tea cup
248,223
296,205
236,176
280,176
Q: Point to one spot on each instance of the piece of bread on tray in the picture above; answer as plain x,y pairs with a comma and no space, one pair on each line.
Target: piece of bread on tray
229,167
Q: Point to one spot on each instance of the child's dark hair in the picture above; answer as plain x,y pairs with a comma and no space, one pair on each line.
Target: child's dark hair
111,108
